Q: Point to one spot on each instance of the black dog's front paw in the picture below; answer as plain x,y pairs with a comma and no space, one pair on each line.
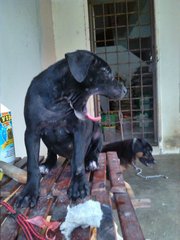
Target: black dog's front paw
29,195
79,187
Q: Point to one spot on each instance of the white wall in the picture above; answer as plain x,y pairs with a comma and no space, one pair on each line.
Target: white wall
168,75
19,59
26,46
71,29
47,44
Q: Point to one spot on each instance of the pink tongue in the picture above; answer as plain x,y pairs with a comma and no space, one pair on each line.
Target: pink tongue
94,119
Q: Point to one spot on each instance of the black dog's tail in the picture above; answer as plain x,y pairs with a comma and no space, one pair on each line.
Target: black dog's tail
110,147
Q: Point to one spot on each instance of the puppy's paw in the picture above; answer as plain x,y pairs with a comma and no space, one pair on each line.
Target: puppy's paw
92,166
29,195
44,169
79,187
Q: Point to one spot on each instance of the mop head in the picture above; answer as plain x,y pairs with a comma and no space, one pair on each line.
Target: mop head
84,215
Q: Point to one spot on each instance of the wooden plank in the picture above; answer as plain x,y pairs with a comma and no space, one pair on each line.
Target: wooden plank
10,226
129,223
49,180
99,192
9,187
7,223
59,209
116,177
63,182
8,231
46,199
99,176
141,203
21,162
54,200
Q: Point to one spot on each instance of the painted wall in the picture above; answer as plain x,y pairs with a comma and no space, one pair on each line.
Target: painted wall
26,46
19,59
71,29
168,75
47,44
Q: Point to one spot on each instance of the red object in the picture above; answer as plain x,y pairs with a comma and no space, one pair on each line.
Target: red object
27,224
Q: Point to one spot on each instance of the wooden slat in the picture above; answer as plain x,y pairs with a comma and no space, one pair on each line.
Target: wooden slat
53,201
8,231
99,193
99,177
46,199
8,186
49,180
59,209
129,223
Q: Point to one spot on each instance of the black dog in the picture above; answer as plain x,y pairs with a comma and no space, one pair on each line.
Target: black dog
130,150
55,111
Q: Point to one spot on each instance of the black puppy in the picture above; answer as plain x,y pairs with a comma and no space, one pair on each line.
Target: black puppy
55,111
130,150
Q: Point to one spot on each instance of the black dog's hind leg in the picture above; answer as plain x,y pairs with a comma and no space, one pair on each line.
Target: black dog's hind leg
49,163
91,159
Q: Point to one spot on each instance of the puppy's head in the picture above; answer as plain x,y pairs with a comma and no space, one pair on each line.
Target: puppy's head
94,73
92,76
143,151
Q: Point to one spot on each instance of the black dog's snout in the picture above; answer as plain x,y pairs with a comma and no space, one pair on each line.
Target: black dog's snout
124,91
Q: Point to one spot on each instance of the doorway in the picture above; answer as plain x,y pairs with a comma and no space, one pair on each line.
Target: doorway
122,33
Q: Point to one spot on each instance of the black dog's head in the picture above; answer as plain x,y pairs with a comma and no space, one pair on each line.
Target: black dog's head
143,151
93,76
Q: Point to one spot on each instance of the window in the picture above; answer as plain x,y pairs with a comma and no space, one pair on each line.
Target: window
122,34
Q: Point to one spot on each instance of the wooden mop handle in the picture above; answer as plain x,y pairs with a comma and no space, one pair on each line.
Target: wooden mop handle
18,174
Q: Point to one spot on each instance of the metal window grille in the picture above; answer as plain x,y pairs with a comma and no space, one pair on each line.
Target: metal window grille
122,33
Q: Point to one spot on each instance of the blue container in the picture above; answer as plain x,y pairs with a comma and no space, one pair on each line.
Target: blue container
7,150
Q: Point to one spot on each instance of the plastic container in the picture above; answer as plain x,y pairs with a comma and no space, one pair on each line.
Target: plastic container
7,150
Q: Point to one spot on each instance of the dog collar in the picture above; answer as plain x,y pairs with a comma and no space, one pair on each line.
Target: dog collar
133,143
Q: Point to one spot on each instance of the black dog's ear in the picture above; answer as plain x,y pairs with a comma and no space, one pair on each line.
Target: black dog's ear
145,143
79,63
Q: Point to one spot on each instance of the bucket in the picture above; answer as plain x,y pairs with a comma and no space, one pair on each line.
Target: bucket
7,150
109,119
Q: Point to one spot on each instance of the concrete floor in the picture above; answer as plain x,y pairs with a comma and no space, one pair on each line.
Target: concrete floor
162,220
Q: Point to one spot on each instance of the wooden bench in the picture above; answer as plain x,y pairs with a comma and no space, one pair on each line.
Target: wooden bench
107,186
